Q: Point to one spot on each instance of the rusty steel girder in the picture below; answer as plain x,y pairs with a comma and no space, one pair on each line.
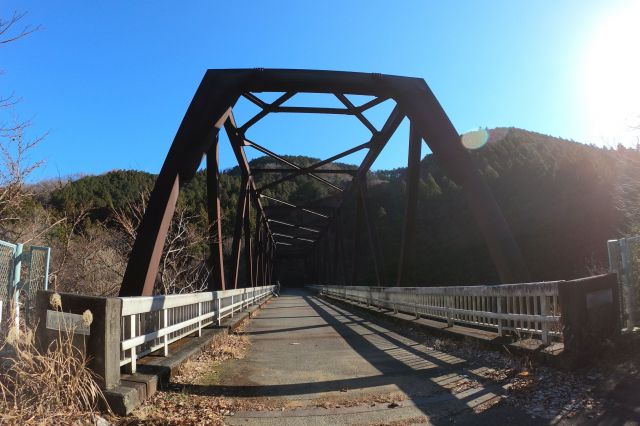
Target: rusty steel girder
212,109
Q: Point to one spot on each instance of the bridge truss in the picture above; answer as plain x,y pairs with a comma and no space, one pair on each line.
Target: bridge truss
312,230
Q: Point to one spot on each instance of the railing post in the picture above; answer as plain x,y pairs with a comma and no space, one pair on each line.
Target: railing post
218,307
233,308
165,338
132,329
449,303
199,319
500,300
544,310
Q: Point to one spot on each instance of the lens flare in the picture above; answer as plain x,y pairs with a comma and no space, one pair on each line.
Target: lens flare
475,139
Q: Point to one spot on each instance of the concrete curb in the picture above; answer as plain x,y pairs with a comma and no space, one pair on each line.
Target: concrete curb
156,373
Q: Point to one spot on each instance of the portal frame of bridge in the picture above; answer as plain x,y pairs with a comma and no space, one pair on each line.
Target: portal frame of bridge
212,109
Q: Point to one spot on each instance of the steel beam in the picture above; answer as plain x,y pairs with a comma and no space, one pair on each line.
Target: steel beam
237,233
258,251
409,224
259,116
356,241
256,170
347,103
378,142
424,111
374,244
293,206
193,139
237,143
216,258
288,163
314,167
312,110
343,253
280,222
248,242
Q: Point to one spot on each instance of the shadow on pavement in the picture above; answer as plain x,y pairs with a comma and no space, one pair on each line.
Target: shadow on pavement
419,372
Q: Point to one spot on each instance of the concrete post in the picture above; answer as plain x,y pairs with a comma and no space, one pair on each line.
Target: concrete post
100,340
590,314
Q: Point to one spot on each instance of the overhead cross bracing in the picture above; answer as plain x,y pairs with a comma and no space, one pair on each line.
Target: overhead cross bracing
313,229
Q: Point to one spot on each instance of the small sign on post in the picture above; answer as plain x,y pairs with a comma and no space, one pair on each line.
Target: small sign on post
63,321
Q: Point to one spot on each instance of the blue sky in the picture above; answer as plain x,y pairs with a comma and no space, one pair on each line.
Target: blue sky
110,81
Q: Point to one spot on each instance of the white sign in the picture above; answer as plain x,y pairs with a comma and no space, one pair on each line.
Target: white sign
599,298
67,322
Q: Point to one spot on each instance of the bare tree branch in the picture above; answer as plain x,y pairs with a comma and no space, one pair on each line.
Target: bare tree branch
183,265
7,27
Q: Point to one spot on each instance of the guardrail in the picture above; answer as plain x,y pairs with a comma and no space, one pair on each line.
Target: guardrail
149,324
525,309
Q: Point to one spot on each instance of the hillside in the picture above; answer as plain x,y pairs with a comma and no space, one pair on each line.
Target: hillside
562,199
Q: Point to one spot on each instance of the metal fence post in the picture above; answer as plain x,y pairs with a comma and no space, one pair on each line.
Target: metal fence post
15,285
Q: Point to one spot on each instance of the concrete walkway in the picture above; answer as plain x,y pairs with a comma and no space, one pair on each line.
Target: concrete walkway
320,364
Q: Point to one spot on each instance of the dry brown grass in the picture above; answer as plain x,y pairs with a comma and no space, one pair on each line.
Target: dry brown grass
403,422
222,348
360,400
53,386
178,406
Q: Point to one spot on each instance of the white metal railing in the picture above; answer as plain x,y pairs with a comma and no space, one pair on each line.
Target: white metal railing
152,323
530,309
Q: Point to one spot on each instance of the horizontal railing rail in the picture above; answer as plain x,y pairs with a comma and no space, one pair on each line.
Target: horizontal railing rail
525,309
152,323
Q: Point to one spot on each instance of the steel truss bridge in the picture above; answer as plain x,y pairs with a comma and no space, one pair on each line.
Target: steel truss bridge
310,231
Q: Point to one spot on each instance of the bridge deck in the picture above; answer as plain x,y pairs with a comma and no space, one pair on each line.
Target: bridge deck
330,366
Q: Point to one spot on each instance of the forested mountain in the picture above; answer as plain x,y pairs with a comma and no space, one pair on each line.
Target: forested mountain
562,199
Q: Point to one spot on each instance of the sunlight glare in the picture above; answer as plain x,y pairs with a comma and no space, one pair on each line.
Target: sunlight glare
612,78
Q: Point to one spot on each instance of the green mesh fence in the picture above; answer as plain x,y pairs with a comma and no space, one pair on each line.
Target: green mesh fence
37,277
7,254
33,272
